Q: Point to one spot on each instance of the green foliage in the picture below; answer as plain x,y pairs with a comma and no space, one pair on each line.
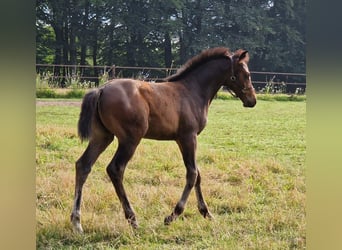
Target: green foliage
45,88
74,93
272,87
60,93
44,43
282,97
161,33
103,78
46,93
224,95
252,165
42,80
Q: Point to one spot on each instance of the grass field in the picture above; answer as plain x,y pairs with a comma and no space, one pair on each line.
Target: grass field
252,164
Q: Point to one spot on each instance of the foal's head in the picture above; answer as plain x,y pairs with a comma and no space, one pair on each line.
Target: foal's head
239,80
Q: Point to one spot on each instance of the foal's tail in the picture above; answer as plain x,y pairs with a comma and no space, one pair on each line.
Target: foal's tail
88,111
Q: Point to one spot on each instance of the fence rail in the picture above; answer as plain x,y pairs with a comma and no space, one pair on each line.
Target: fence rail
90,76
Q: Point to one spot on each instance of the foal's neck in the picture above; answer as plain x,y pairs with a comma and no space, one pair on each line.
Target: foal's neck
208,79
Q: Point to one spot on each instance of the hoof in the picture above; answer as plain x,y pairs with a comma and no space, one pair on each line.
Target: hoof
169,219
205,213
76,224
209,216
77,228
133,223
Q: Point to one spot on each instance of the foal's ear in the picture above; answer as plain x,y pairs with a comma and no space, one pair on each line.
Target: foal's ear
244,56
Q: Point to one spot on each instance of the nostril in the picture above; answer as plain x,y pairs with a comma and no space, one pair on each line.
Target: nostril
250,103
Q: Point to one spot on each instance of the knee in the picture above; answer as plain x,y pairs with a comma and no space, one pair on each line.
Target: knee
114,172
110,171
83,168
191,176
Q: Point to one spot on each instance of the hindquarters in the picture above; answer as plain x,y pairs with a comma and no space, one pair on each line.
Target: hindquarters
122,110
89,122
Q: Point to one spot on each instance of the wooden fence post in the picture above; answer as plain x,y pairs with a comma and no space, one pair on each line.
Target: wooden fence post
112,72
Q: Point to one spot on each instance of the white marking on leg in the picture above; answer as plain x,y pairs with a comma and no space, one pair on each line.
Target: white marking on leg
76,217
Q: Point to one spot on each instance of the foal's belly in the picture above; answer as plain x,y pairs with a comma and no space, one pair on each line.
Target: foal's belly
162,130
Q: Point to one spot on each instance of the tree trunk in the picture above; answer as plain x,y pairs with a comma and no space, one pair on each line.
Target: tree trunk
131,52
95,47
58,53
84,34
58,44
72,41
109,52
167,50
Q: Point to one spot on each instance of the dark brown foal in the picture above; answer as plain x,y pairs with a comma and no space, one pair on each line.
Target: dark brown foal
175,109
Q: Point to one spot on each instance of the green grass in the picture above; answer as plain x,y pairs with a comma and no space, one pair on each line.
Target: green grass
252,163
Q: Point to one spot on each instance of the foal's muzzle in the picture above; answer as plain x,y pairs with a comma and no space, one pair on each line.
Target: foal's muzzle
249,100
249,103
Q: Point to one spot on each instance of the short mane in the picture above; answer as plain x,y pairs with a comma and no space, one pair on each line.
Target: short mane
204,56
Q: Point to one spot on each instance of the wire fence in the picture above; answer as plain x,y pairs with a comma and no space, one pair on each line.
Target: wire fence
84,76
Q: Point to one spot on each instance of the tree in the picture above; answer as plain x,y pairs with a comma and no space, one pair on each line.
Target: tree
287,43
44,43
165,33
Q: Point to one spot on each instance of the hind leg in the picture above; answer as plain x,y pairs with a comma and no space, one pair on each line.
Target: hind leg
83,167
116,171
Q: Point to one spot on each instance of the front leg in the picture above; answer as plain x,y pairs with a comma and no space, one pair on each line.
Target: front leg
202,206
179,208
187,147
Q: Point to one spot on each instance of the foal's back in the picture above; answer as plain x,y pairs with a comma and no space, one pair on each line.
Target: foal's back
132,108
